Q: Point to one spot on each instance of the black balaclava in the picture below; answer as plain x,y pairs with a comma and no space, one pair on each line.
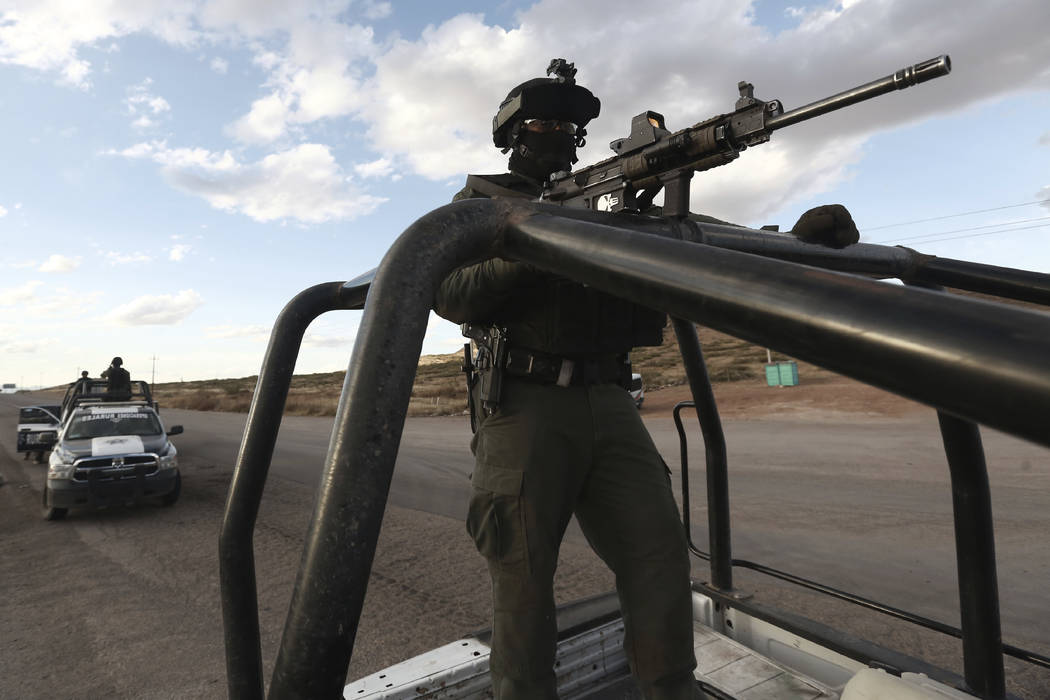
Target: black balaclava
538,154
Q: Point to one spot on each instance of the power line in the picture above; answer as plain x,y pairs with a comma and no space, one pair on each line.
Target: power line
963,230
952,216
985,233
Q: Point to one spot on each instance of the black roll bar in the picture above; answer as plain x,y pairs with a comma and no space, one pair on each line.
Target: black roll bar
978,590
900,262
721,557
244,671
976,360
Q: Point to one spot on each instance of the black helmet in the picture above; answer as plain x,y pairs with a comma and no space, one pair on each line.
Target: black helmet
117,362
558,98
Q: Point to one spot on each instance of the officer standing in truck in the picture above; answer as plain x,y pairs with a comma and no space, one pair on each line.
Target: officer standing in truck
118,381
565,436
557,431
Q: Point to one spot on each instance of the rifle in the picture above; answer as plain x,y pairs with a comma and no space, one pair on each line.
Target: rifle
651,158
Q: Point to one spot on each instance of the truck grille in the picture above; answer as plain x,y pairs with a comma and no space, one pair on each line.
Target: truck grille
115,468
46,437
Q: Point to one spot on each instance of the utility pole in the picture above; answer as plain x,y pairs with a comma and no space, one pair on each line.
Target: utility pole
153,375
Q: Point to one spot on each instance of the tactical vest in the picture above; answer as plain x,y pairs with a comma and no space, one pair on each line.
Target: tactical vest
560,316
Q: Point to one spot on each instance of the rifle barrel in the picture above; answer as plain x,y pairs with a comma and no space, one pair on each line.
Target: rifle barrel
905,77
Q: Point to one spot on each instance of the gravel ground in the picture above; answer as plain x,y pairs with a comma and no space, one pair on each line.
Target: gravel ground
123,603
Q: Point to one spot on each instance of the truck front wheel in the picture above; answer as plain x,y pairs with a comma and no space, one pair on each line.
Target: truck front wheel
169,499
50,512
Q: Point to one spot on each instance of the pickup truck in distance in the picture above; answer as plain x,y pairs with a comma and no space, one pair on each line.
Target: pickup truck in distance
109,453
37,428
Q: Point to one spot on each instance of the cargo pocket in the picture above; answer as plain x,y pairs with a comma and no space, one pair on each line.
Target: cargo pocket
496,517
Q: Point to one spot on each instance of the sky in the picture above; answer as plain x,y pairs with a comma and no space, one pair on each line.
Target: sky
178,170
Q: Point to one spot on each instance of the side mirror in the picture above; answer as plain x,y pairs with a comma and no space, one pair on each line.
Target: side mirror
175,430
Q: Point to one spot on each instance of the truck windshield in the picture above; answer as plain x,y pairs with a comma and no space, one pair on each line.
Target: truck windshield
36,416
111,424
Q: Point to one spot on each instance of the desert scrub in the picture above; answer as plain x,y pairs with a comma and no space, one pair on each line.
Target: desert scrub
440,388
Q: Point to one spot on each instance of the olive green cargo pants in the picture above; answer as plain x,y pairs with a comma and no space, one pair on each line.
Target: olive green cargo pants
546,453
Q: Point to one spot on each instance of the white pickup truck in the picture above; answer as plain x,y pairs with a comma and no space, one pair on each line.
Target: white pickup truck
637,390
37,429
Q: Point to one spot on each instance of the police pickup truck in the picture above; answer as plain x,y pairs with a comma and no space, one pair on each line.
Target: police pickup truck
110,453
37,428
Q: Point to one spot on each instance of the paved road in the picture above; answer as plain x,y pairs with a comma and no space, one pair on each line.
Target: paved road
859,504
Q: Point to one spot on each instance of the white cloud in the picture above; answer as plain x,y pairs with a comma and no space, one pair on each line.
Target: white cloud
3,212
266,122
327,341
158,310
1044,196
178,252
220,65
774,170
303,183
19,295
255,332
60,263
28,347
376,10
117,258
383,167
65,303
181,158
317,75
436,94
47,35
426,102
1044,140
143,105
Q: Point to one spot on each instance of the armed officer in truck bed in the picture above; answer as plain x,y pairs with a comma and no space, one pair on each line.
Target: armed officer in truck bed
557,432
564,435
118,381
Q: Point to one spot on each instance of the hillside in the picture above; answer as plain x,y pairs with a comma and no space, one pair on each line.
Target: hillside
440,390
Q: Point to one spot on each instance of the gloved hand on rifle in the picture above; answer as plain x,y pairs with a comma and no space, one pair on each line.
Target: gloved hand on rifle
828,225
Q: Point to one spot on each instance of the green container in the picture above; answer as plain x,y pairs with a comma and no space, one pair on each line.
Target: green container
788,373
782,374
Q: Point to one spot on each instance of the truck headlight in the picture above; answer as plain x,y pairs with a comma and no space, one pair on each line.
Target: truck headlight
60,464
170,459
59,471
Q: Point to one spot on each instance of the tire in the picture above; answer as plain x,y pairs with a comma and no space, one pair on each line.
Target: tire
50,512
169,499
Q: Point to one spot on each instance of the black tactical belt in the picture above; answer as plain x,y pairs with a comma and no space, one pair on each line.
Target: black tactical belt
563,371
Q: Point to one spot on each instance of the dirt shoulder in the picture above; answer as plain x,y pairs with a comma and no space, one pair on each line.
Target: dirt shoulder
819,392
124,602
